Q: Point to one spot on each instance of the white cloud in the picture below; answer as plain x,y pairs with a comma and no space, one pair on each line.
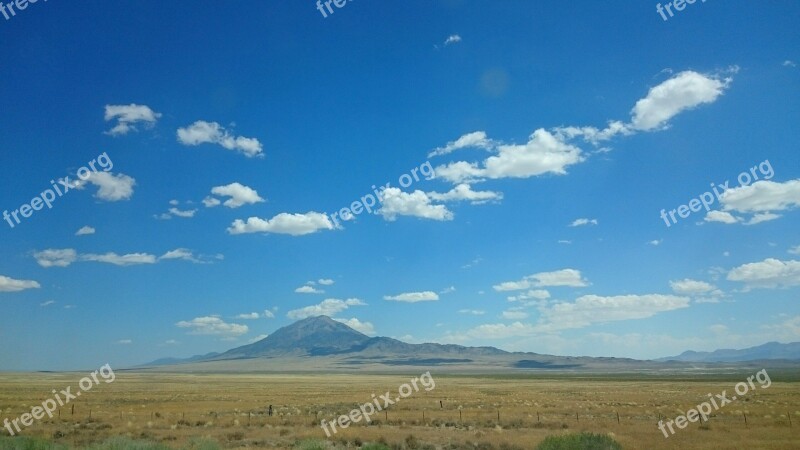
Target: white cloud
363,327
514,315
326,281
65,257
448,290
795,250
762,217
464,192
211,202
328,307
583,222
125,342
182,254
111,187
184,214
56,257
564,277
684,91
47,303
474,312
283,223
656,242
512,285
452,39
544,153
11,285
770,273
590,309
477,139
85,231
260,337
129,259
789,63
127,116
721,216
308,290
416,204
413,297
239,194
213,326
693,287
536,294
268,314
762,197
202,132
248,316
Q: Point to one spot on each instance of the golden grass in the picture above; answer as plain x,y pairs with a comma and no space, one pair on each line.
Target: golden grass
231,409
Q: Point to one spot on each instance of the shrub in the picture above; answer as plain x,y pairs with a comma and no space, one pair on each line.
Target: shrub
311,444
580,441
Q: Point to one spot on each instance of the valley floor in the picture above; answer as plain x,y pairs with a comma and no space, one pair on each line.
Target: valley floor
460,412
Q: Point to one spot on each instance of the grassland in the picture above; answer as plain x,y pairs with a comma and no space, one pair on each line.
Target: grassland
461,412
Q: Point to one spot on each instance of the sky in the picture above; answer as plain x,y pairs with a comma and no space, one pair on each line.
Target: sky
571,178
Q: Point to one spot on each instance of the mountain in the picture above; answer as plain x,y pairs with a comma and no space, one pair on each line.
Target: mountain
323,345
171,361
770,350
308,337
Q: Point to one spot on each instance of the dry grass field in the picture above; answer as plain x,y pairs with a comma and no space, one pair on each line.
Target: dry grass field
231,410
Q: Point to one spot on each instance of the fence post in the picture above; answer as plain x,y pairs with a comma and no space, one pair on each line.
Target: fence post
789,415
576,417
386,415
617,417
73,409
745,418
498,416
459,415
537,416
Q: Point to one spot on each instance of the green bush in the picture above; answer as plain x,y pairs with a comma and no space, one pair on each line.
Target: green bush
26,443
311,444
373,446
580,441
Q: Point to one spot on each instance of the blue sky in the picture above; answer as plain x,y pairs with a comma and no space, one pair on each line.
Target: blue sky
224,135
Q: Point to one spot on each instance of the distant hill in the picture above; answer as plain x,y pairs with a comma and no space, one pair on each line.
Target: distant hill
770,350
321,344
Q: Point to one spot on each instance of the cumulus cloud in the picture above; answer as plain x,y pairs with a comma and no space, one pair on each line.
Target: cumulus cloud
65,257
237,193
477,139
308,290
534,294
691,287
590,309
684,91
284,223
213,326
464,192
363,327
248,316
129,259
328,307
325,281
762,197
564,277
514,315
11,285
186,214
416,204
452,39
202,132
583,222
413,297
185,255
770,273
721,216
474,312
84,231
544,153
550,152
110,187
127,116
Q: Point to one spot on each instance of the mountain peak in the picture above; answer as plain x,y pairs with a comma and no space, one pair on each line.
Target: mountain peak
318,335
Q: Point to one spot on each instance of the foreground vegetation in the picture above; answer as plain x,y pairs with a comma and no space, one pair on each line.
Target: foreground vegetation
207,412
